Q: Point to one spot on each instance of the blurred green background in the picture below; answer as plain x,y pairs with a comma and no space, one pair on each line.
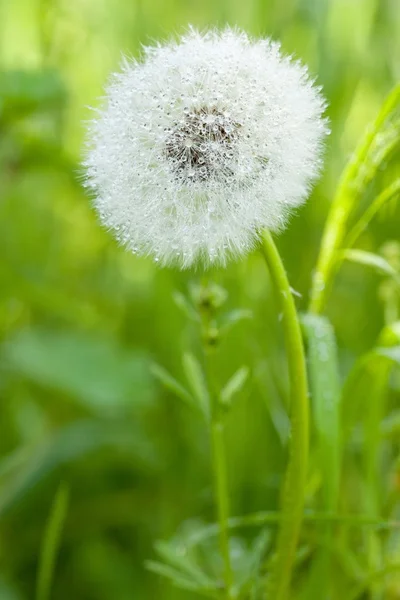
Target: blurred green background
81,321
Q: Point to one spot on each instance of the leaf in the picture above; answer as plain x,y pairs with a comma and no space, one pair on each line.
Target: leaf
325,388
195,376
179,558
325,392
371,260
234,385
51,543
253,561
171,384
180,580
234,316
182,302
101,375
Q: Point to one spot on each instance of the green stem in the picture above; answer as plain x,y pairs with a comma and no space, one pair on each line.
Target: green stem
294,486
222,499
272,518
384,197
341,209
218,451
51,543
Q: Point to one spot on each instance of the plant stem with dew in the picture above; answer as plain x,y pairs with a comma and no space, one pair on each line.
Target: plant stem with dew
295,479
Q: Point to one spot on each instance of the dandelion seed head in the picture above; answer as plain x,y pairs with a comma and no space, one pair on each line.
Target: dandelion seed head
202,144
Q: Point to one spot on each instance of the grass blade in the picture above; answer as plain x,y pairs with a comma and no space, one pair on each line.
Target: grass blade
325,390
369,259
381,200
343,205
51,543
325,393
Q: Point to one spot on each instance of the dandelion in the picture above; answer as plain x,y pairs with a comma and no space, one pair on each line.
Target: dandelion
201,145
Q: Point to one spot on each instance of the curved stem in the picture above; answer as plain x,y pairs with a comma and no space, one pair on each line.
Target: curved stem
294,486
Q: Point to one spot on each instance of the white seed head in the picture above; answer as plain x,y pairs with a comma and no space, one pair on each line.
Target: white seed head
202,144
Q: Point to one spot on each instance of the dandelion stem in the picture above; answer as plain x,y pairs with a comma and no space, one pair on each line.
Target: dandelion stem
295,479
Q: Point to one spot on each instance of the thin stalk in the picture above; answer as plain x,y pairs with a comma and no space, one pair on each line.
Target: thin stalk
295,482
217,441
341,209
222,499
375,412
271,518
384,197
51,543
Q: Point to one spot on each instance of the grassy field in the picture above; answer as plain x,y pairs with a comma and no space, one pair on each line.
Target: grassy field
94,449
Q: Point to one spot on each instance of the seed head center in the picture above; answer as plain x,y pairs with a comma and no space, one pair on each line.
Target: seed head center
201,147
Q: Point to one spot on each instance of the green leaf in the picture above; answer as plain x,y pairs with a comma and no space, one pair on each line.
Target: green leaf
171,384
234,385
369,259
51,542
182,302
252,561
106,378
178,557
325,389
180,580
197,382
234,316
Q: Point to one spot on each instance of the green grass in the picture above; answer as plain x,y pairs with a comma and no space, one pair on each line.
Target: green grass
83,324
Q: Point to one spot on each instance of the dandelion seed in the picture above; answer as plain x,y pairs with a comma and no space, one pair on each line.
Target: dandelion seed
202,144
